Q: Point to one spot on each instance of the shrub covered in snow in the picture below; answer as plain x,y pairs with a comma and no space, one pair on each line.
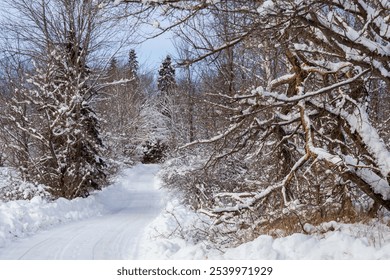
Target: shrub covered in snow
180,233
12,187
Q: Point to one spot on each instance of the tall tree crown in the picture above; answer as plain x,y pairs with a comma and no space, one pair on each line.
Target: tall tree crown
166,76
133,63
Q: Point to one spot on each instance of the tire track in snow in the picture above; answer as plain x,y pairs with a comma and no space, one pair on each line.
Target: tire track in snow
131,204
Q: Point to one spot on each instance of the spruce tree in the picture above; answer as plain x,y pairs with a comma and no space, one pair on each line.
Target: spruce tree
112,71
166,79
166,84
133,88
67,146
133,65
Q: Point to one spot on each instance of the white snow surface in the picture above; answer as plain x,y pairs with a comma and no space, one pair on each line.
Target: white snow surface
106,225
135,219
174,235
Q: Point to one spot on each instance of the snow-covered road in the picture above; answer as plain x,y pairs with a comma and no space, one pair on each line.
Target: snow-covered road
128,206
134,219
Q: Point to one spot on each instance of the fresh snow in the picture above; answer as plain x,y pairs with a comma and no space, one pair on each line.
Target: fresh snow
177,234
106,225
135,219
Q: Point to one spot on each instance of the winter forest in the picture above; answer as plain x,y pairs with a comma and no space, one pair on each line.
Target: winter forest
271,118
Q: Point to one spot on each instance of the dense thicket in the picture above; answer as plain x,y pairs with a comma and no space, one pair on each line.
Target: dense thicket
299,91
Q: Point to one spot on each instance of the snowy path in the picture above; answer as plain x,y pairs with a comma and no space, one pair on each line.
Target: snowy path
129,205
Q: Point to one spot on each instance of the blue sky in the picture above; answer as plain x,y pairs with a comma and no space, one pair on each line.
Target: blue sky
152,52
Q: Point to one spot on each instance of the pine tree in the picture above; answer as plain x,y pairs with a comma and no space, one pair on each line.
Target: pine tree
166,84
133,65
133,86
112,71
166,80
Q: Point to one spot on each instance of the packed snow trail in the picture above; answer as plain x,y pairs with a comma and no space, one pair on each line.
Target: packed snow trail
129,205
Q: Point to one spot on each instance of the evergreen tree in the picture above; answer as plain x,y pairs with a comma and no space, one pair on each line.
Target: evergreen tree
166,84
112,71
162,135
166,79
52,102
67,144
133,86
133,64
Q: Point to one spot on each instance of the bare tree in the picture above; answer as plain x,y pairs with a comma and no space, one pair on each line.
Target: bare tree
301,129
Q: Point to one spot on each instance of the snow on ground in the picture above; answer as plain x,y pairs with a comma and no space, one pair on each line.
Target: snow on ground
22,218
134,219
173,235
106,225
348,242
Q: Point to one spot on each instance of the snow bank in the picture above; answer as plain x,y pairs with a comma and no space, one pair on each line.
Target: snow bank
22,218
177,234
339,245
